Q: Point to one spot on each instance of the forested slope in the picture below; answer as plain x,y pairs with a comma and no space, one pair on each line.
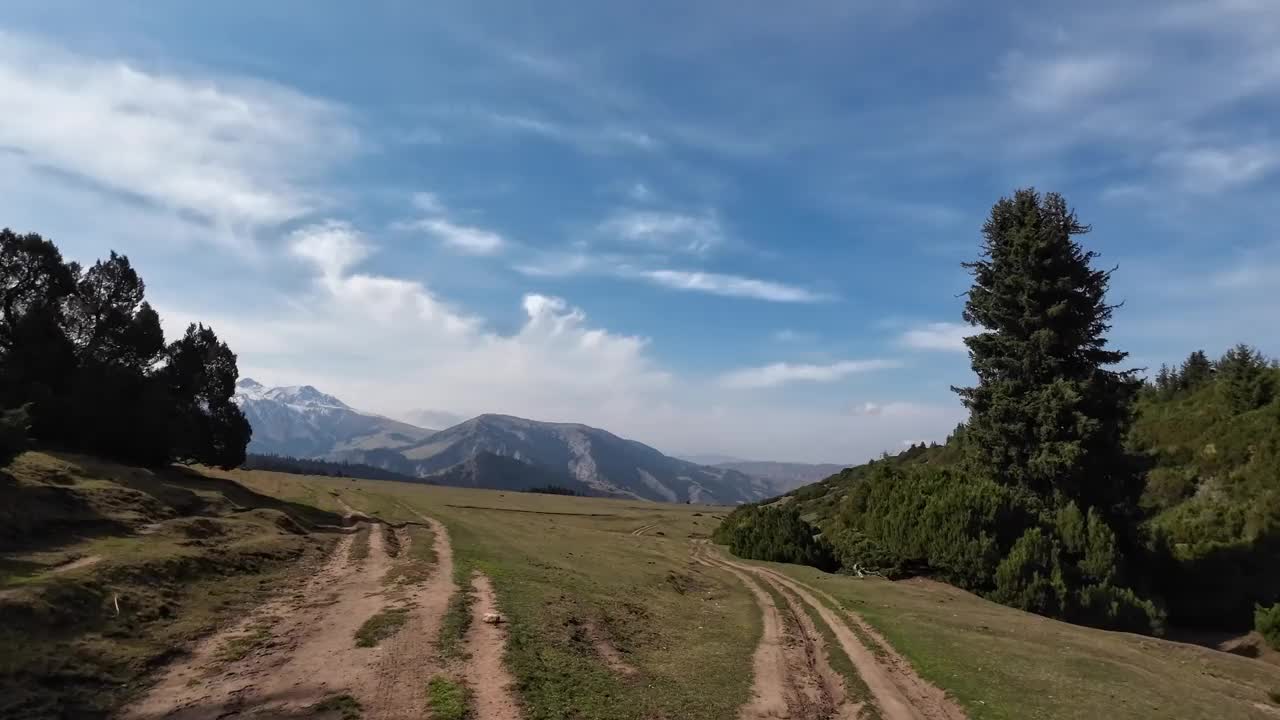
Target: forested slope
1075,489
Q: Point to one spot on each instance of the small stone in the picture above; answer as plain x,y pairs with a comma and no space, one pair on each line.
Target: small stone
493,618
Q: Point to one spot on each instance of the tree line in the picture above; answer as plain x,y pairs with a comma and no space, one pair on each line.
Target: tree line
1075,489
84,365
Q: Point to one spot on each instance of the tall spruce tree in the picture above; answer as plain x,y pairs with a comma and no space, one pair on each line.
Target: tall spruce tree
1196,371
1048,413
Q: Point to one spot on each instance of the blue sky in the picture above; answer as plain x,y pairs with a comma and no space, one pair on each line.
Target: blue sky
715,227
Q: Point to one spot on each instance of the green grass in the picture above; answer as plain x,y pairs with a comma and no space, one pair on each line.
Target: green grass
347,707
448,700
457,618
843,665
561,562
381,626
64,651
1001,663
239,647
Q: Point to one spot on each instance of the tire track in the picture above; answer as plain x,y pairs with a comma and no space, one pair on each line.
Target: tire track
486,674
301,650
899,692
791,677
407,659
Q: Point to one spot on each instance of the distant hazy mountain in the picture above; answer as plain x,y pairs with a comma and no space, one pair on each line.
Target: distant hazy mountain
600,461
498,472
782,476
489,451
303,422
711,459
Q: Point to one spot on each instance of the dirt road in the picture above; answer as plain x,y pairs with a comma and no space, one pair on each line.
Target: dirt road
299,649
780,690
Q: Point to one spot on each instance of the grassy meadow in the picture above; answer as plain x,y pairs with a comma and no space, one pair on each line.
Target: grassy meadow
559,562
189,551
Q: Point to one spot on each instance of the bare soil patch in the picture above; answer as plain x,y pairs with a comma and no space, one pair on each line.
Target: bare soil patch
492,686
304,648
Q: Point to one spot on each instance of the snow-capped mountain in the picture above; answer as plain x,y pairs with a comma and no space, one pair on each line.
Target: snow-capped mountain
301,421
489,451
582,456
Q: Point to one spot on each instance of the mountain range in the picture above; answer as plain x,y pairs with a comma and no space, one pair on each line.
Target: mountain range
491,451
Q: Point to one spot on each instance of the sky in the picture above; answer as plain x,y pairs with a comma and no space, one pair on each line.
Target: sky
716,227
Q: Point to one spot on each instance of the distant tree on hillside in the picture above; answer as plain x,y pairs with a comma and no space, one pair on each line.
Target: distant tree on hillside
1048,413
1245,378
1196,371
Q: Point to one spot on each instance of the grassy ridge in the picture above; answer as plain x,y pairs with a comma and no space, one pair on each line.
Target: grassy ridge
176,552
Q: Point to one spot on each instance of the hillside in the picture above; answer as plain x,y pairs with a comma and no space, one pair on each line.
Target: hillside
301,421
601,461
105,570
783,476
499,472
1210,533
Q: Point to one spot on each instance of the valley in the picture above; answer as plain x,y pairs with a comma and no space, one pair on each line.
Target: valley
611,609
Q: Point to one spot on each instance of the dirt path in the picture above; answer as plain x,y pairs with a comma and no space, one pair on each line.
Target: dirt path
408,659
791,675
299,649
84,562
491,683
642,530
900,693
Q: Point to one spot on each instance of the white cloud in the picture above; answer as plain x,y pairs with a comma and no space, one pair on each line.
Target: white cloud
868,408
465,238
787,335
236,153
593,139
458,236
938,336
1214,169
782,373
728,285
697,234
332,246
1060,82
428,202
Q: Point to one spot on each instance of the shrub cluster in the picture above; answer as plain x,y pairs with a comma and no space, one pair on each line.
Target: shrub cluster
84,353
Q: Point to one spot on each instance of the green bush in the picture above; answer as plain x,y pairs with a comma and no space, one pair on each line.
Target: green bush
1267,622
935,521
776,534
1030,576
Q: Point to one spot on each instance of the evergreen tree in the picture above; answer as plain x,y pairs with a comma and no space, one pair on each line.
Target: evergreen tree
201,379
1196,371
1245,379
1047,414
35,357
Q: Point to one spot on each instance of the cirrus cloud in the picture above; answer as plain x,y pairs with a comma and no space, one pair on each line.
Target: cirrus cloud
782,373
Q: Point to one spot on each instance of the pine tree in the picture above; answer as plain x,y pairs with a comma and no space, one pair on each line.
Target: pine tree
1196,371
1047,414
201,379
1245,379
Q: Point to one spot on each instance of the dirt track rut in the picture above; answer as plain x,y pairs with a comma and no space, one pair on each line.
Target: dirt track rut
791,675
301,647
897,691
